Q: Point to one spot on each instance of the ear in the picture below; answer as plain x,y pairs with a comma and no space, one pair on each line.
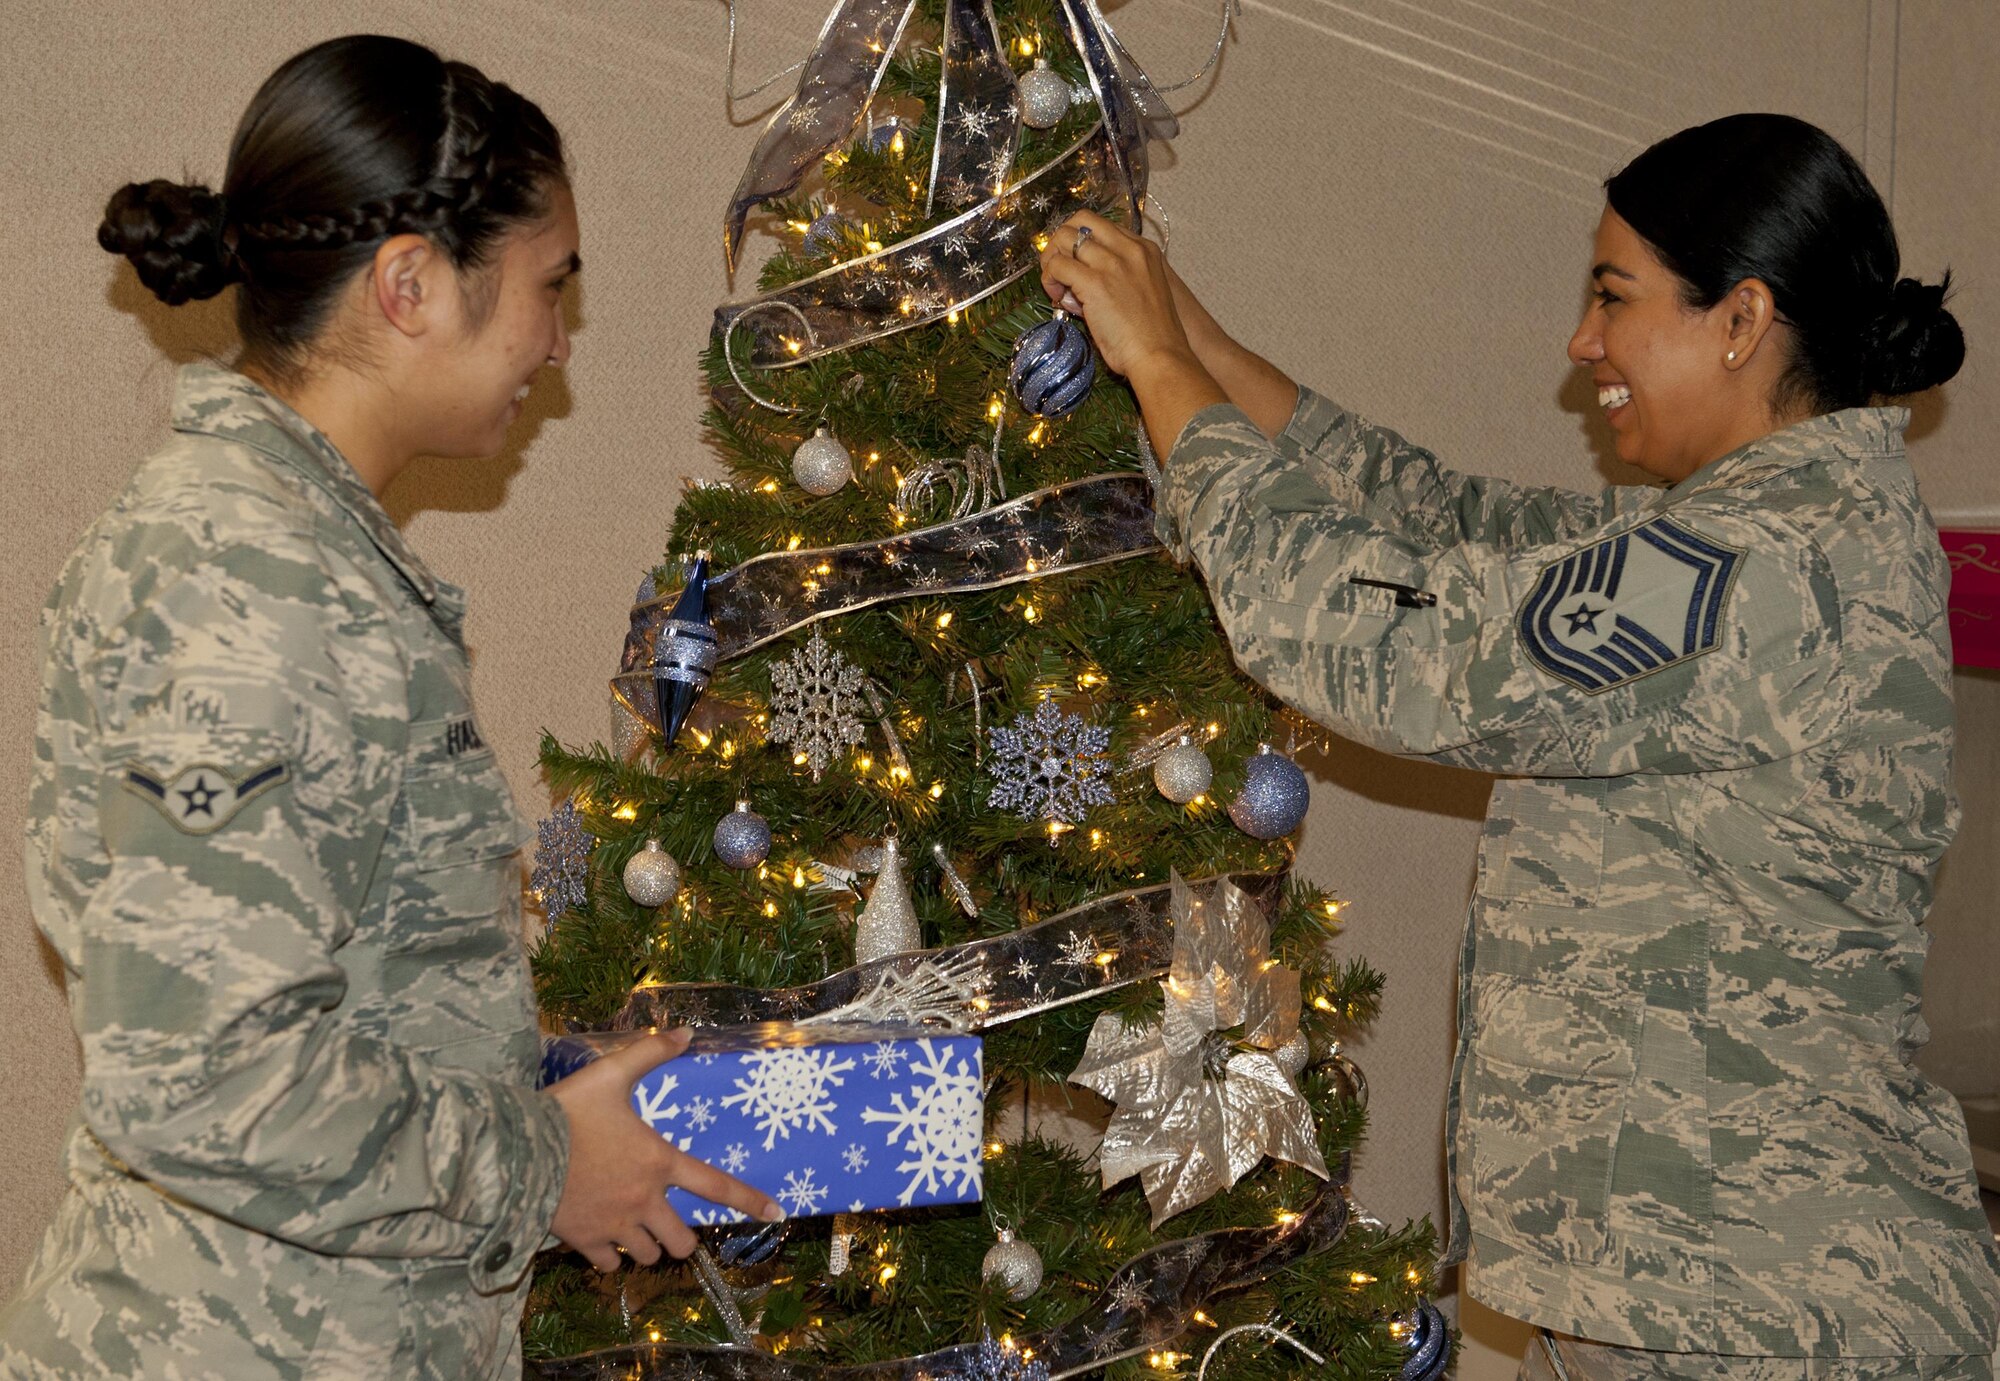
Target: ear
403,282
1750,314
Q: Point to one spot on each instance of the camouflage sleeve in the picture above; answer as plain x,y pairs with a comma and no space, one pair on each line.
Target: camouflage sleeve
247,784
1698,641
1407,492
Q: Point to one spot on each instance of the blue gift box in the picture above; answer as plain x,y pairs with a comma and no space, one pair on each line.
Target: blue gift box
824,1119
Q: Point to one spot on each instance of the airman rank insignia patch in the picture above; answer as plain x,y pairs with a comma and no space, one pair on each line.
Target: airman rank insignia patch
1629,606
203,799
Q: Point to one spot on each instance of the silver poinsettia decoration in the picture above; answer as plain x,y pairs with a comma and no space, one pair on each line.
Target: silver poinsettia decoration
1199,1102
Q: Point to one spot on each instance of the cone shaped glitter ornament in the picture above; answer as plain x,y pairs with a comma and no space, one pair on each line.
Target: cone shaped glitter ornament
684,653
888,921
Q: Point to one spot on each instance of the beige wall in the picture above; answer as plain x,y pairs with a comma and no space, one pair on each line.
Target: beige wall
1393,200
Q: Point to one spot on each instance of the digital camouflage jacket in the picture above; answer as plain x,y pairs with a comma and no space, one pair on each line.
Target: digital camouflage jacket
278,863
1684,1114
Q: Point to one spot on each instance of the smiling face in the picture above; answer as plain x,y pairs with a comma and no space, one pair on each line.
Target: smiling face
1661,368
509,325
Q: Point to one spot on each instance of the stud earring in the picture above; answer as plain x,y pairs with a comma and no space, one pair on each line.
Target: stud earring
1731,357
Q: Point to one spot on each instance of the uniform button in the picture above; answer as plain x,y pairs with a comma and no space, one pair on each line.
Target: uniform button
499,1256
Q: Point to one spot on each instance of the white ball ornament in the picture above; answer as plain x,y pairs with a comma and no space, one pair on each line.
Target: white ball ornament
1013,1266
652,877
1045,96
821,464
1183,772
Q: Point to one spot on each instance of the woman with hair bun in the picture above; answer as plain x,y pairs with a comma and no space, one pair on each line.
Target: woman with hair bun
266,837
1687,1135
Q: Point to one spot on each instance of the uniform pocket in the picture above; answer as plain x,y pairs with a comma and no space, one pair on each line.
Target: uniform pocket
1543,1098
1544,841
462,813
453,963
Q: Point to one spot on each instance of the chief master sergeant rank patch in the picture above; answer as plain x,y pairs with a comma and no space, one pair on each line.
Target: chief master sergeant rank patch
1629,606
202,799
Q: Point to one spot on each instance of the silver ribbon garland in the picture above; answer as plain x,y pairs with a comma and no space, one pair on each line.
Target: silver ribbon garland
977,131
978,115
1133,112
1067,527
927,277
1107,943
838,81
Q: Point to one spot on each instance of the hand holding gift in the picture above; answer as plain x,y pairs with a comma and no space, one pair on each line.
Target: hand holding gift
615,1196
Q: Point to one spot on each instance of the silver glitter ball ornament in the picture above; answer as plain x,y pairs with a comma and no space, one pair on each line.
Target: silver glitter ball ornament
1294,1055
1044,96
1275,796
1183,772
652,878
1013,1266
742,838
821,464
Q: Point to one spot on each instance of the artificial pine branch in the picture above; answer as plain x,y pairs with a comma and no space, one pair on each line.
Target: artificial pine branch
1133,645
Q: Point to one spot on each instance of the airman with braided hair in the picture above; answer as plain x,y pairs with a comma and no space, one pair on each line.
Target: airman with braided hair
265,836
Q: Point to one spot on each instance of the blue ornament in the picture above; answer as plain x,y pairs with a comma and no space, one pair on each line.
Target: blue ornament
1426,1339
881,136
824,232
684,652
1053,366
742,837
1274,797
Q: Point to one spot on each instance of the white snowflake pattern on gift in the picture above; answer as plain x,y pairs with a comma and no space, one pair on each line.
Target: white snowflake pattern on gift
787,1089
801,1196
734,1157
701,1113
885,1061
943,1121
856,1158
653,1109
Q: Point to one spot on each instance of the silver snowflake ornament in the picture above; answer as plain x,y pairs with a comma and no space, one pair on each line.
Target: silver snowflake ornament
992,1361
816,703
1051,766
562,862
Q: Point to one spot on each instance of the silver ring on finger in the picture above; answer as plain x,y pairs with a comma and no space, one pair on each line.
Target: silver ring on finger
1082,234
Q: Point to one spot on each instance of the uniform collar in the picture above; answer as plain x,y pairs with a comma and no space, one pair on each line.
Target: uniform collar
212,401
1856,433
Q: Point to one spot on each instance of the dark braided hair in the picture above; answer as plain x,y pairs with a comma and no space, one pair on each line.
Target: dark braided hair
352,141
1774,198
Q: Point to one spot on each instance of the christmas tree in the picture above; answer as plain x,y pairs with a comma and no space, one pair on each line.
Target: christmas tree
888,742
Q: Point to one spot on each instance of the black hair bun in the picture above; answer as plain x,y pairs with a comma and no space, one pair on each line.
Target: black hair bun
172,233
1916,343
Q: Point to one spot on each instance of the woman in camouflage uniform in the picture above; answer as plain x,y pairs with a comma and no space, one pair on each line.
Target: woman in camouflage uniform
267,838
1686,1132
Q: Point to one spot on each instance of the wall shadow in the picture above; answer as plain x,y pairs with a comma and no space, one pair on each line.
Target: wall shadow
1403,782
192,333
